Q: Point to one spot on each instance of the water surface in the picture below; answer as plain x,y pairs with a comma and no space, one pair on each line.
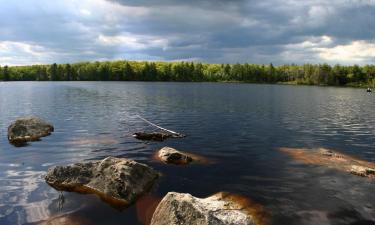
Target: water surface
240,126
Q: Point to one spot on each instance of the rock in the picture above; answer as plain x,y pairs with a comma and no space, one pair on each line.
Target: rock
332,159
219,209
362,171
171,155
326,152
117,181
28,129
155,136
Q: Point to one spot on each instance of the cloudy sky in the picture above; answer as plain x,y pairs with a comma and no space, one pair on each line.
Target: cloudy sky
216,31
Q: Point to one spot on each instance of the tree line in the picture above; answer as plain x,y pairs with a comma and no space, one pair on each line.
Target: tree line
310,74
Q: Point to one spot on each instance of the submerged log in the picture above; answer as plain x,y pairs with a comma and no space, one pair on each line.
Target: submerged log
332,159
219,209
117,181
154,136
173,133
28,129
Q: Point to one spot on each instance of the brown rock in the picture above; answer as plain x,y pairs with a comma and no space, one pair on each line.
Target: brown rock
332,159
171,155
362,171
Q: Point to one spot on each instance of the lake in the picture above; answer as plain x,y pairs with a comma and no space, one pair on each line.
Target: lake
238,126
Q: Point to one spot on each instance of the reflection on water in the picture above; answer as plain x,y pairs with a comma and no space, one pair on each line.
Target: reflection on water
145,208
67,220
241,126
92,141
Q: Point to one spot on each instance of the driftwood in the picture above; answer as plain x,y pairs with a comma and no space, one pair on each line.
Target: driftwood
156,136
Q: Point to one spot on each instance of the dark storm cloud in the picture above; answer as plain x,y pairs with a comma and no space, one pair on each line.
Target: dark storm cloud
256,25
288,31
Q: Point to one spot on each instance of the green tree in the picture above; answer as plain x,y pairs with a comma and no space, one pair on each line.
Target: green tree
53,72
6,76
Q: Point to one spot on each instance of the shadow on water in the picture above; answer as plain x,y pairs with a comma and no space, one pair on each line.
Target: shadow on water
20,144
146,206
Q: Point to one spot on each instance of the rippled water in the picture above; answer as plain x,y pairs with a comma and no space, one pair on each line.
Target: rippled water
240,126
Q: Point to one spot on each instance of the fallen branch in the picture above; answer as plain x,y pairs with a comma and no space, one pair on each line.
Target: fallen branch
175,134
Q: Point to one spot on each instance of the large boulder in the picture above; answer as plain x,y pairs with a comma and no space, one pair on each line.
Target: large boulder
28,129
171,155
117,181
219,209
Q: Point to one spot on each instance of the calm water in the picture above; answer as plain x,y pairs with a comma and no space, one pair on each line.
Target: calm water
240,126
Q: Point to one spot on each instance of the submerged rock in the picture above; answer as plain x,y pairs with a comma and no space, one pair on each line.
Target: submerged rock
155,136
171,155
28,129
362,171
332,159
219,209
117,181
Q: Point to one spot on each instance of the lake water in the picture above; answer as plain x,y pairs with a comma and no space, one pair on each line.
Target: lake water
239,126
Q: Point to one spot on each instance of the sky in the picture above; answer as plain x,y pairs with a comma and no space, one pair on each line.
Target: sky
212,31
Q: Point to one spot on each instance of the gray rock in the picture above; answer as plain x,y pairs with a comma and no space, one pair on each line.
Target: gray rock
184,209
117,181
171,155
28,129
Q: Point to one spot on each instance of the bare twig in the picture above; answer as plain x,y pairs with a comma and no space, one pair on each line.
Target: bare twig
161,128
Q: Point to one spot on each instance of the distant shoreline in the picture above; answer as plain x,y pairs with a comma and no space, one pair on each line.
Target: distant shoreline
218,82
307,74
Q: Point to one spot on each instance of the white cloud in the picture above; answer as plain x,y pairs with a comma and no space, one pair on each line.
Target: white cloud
85,12
131,41
19,53
322,49
356,51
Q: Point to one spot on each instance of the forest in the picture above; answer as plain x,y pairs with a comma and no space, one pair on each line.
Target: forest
308,74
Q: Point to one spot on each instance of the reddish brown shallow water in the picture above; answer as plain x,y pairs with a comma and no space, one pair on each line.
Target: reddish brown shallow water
239,127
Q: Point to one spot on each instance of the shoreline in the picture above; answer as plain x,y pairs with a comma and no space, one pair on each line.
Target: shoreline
219,82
